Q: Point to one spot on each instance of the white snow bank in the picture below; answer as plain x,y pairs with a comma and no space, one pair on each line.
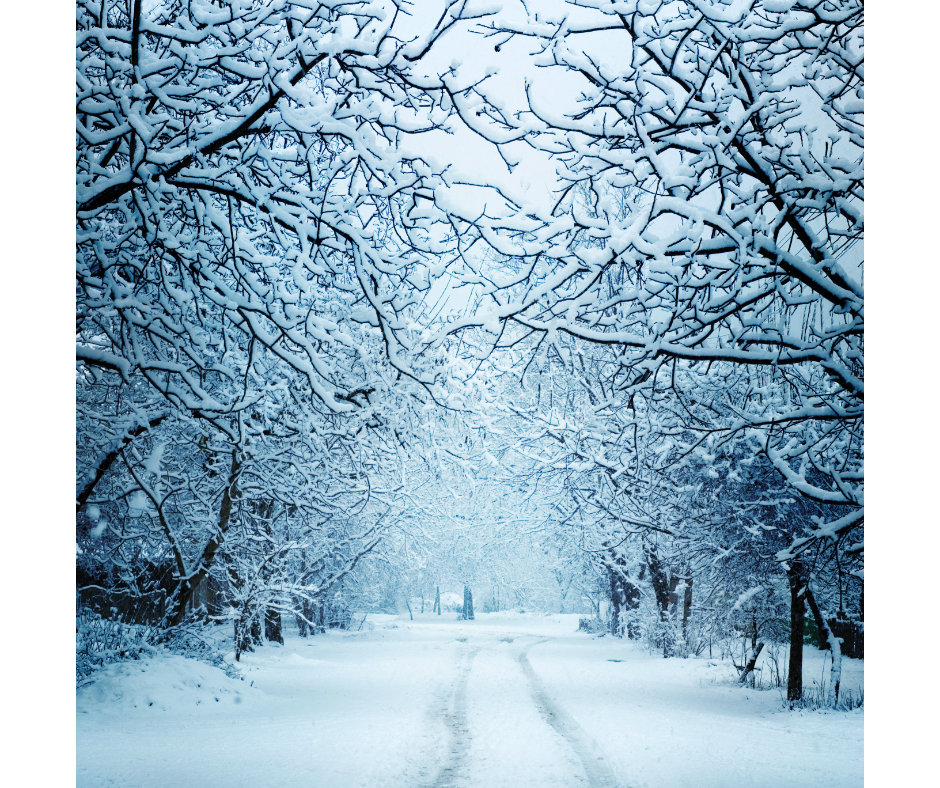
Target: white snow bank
162,684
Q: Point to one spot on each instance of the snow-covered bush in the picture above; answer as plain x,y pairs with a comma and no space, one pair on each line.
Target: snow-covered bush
101,641
592,624
451,602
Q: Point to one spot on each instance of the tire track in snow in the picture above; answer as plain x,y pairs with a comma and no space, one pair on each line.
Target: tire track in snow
456,722
596,769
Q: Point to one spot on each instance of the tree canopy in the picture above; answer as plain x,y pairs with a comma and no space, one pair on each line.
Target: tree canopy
593,266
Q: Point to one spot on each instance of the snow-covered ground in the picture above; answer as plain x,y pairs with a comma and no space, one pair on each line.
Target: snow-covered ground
506,700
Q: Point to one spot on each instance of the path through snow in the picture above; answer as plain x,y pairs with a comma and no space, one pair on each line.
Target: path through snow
505,701
456,722
595,769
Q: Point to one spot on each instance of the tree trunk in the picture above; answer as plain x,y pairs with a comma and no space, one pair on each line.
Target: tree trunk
797,613
300,604
188,585
664,591
835,674
467,613
437,601
673,592
751,663
272,626
835,648
687,604
614,604
215,597
242,643
247,632
821,624
659,582
624,597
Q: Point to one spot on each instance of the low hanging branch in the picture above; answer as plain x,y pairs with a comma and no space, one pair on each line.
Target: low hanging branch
106,460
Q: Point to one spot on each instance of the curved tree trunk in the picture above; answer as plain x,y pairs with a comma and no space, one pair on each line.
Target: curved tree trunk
834,645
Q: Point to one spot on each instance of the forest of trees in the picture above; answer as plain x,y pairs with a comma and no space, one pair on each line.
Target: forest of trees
558,302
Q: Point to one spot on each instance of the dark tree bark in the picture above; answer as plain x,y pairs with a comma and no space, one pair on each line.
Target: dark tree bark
615,602
659,582
301,604
821,624
215,597
631,601
188,585
467,613
272,616
665,590
673,592
272,626
796,578
107,460
247,632
751,663
687,603
624,597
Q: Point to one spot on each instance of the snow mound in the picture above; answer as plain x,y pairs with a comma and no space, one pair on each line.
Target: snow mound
161,684
303,662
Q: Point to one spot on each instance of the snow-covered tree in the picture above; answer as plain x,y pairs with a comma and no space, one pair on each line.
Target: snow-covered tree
303,323
709,217
248,237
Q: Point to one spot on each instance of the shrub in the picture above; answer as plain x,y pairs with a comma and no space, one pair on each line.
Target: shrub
591,624
101,641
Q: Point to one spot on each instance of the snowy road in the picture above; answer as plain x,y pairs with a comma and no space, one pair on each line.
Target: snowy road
501,701
456,722
595,769
503,729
